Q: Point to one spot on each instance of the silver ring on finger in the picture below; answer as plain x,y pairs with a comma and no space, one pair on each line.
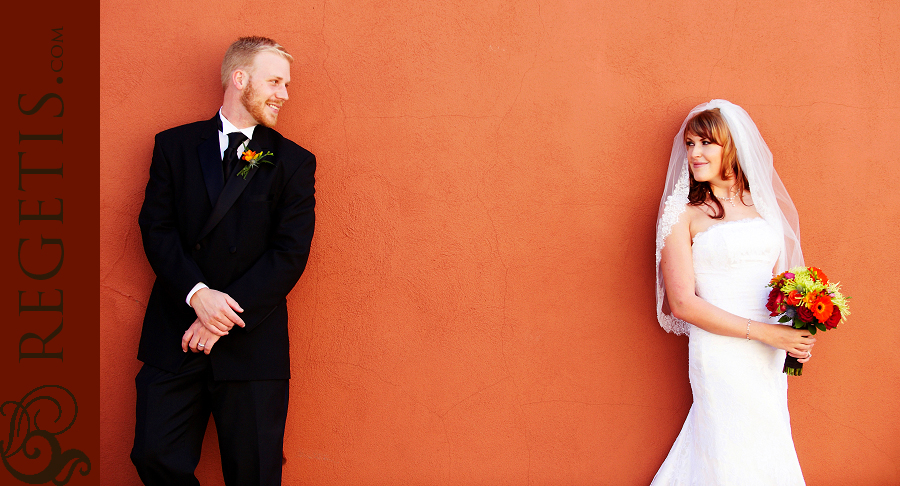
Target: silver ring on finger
808,354
201,345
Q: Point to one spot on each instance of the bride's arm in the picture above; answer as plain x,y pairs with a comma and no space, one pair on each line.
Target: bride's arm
678,272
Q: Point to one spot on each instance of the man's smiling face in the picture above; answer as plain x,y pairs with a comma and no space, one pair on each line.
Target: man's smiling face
266,89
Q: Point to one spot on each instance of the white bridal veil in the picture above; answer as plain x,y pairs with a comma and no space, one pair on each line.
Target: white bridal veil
769,196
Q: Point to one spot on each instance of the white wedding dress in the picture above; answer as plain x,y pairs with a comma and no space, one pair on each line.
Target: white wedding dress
738,431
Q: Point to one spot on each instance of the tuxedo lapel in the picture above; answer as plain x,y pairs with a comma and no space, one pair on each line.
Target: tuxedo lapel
235,184
211,161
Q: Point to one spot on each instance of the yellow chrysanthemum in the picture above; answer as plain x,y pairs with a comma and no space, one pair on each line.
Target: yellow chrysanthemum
838,299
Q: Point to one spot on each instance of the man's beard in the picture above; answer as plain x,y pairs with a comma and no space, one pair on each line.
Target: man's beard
257,108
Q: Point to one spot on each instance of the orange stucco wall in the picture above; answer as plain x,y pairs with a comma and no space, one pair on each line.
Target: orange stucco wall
478,306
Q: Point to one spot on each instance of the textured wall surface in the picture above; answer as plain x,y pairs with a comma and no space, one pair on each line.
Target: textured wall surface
478,306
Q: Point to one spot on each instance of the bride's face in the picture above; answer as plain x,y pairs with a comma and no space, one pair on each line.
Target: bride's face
705,158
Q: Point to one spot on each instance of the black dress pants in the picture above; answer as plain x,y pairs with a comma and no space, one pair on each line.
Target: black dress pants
173,410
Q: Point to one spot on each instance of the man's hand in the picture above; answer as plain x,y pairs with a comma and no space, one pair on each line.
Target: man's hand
198,339
216,311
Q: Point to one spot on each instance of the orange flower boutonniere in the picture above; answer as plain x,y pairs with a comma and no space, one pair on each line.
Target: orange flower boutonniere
253,159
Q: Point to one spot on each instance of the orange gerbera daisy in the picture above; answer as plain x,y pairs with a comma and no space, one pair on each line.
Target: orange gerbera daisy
822,308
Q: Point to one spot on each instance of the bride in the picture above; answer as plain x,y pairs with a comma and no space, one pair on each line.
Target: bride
726,223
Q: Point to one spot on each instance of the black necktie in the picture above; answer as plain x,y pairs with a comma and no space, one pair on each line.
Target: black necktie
228,160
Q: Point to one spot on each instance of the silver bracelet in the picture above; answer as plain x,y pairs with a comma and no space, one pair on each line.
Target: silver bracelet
748,329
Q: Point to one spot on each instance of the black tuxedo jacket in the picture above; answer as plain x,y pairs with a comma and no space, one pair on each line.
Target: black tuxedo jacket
249,238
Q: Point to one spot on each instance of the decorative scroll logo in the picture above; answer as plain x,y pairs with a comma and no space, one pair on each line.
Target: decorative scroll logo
32,432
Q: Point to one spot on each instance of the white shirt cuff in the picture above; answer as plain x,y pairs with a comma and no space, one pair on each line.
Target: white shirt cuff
193,291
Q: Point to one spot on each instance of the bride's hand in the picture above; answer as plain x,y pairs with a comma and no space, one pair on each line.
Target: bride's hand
804,358
797,342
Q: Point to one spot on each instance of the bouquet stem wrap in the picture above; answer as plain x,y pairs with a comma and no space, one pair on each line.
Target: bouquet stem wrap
792,367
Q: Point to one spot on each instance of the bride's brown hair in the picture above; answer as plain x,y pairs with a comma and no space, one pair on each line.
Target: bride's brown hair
711,125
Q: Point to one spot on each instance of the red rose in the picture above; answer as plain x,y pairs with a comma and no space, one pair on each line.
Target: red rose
805,314
776,298
835,318
794,297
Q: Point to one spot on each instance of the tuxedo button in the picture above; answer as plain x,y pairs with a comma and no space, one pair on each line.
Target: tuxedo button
232,249
197,247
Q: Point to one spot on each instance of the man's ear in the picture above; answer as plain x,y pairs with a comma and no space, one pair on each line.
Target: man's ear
239,78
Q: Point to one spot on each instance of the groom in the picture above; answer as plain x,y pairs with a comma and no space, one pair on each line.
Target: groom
227,222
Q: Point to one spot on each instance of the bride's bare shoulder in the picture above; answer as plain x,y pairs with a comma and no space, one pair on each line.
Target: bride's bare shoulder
698,219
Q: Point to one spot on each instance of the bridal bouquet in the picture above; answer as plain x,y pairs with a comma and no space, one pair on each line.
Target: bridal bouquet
804,297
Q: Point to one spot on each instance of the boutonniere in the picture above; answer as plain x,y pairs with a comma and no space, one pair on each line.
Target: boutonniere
252,160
